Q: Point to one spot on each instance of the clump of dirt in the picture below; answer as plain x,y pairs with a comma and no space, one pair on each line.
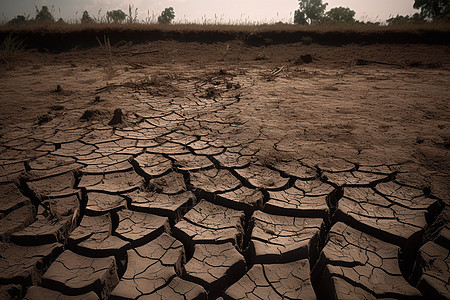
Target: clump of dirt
42,119
58,89
304,59
57,107
156,185
211,92
153,85
97,99
92,114
117,117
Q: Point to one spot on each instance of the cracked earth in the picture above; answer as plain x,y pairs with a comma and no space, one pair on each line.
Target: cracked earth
183,176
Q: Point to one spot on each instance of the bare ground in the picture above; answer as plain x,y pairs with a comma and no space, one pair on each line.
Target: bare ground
366,121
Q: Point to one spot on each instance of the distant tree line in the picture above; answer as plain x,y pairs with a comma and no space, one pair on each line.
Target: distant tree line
45,16
309,12
314,12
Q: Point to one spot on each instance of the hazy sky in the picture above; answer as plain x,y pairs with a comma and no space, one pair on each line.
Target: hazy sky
198,10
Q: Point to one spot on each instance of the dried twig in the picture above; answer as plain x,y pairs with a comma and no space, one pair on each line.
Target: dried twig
363,62
139,52
135,65
277,71
107,87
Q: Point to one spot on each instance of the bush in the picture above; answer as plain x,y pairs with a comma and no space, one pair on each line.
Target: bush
9,47
86,18
115,16
44,15
166,16
18,20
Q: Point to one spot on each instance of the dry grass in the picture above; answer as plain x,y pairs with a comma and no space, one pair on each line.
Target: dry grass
250,28
9,48
62,37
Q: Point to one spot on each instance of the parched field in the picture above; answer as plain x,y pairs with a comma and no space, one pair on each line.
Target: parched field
191,170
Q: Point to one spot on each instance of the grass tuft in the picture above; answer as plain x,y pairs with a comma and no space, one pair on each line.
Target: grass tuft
9,48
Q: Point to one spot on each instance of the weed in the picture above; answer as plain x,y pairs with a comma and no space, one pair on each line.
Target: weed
224,52
106,45
9,47
153,85
262,55
132,18
100,18
109,70
307,40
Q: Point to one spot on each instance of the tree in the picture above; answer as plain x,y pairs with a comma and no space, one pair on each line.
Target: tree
370,23
166,16
44,15
433,9
300,18
309,11
399,20
340,15
116,16
86,18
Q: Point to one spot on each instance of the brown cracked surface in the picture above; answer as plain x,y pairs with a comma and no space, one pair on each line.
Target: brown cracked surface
208,223
94,238
215,265
140,228
282,239
326,180
382,217
150,268
353,258
74,274
274,281
433,261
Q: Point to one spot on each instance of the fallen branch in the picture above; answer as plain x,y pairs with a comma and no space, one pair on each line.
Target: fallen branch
107,87
278,71
135,65
139,53
363,62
